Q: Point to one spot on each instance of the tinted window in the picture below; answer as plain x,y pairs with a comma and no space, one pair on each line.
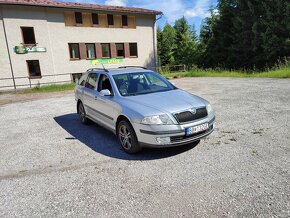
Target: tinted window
104,83
141,83
91,81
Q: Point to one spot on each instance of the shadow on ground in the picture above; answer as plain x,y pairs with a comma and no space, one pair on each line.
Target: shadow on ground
104,142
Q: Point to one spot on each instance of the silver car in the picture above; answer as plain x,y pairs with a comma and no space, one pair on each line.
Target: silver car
142,108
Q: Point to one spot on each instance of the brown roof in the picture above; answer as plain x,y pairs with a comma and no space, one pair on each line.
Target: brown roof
51,3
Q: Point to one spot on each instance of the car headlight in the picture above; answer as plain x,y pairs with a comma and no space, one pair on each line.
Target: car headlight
163,119
209,109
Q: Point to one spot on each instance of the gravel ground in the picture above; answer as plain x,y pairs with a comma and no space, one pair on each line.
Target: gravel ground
52,166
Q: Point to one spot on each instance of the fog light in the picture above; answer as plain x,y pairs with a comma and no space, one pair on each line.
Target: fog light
163,140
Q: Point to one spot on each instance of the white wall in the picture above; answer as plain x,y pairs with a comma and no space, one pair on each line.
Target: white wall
5,70
50,32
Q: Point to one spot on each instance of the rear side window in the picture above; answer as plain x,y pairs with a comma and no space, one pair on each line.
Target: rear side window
91,81
82,80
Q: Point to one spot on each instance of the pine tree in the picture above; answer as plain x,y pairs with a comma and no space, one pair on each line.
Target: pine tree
168,45
248,34
185,41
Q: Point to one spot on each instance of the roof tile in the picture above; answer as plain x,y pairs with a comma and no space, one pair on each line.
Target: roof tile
51,3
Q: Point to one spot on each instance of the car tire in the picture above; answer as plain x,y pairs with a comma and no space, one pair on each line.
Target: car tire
82,114
127,137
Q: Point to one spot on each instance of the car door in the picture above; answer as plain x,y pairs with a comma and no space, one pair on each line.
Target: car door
90,95
105,105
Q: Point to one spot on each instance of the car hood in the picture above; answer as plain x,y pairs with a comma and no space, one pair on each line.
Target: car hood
170,101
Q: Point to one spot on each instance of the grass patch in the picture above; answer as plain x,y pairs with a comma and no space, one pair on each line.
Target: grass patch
50,88
278,73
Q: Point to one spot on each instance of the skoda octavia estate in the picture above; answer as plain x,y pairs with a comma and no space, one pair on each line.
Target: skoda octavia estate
142,108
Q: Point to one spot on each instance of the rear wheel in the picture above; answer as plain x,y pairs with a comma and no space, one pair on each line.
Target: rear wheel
82,113
127,137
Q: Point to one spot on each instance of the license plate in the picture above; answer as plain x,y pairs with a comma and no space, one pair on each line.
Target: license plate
196,129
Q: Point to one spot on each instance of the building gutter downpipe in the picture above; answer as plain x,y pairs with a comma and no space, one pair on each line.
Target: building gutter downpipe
155,40
9,56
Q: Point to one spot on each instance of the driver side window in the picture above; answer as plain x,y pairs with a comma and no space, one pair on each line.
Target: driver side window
104,83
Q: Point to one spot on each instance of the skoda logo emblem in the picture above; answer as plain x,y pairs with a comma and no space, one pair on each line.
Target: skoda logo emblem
193,110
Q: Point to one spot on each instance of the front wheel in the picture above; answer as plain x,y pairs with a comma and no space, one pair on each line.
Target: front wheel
127,137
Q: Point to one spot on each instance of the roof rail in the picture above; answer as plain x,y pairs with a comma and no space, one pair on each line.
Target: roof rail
133,67
91,69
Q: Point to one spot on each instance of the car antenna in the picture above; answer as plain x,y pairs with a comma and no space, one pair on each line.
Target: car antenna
104,68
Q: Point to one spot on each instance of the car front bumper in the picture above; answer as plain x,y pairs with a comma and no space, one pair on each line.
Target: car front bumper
149,136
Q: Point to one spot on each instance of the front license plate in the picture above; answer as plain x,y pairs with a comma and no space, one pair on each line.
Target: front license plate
196,129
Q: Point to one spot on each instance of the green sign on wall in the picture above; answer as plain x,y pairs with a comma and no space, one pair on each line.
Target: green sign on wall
107,61
20,50
24,49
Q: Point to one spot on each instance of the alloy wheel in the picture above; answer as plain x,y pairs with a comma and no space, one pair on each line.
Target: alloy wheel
125,137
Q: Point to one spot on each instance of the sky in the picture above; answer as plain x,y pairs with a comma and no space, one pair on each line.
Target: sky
194,10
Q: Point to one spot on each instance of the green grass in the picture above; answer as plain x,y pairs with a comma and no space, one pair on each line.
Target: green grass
50,88
278,73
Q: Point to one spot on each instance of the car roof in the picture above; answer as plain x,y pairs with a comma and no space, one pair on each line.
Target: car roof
115,71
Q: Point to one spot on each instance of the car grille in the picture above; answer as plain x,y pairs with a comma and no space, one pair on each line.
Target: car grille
176,139
188,116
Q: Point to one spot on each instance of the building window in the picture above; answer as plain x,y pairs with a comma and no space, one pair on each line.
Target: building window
124,20
79,18
28,35
110,18
133,49
120,49
91,52
106,50
74,51
33,69
95,18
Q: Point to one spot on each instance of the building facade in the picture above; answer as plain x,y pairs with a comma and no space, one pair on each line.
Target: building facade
43,42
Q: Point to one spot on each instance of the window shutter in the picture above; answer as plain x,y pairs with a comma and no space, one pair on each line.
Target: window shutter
87,20
113,50
132,22
98,50
127,50
117,21
83,51
69,18
103,20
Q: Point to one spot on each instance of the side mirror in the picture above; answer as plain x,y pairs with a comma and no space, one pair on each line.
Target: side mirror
105,92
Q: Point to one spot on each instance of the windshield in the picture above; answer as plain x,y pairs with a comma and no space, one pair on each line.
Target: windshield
141,83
